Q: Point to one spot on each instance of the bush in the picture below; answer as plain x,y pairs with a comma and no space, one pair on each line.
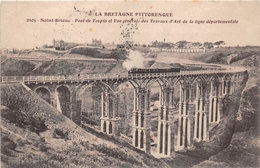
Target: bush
58,133
20,113
23,120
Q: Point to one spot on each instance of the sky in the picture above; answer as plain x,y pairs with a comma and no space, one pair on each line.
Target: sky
16,32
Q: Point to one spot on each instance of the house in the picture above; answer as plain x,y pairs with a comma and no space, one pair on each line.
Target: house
58,44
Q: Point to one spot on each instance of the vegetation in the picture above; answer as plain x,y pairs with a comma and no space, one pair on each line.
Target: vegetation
17,67
93,52
185,44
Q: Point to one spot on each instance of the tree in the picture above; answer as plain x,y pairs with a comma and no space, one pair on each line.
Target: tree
208,45
196,44
219,43
45,46
181,44
154,43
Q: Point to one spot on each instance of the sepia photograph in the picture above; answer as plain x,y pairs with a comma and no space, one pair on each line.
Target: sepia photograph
116,84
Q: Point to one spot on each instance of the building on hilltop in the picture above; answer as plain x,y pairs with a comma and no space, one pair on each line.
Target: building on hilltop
58,44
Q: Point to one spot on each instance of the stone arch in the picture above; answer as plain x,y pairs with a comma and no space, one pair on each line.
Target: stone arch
158,80
133,83
226,83
63,99
104,86
65,85
177,80
172,81
199,79
85,86
215,78
227,77
190,79
216,84
166,80
90,95
183,80
44,93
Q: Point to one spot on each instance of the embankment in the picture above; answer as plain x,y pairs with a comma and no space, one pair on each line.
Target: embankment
35,134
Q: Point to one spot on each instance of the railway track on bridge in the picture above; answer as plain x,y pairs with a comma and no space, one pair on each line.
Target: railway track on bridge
108,76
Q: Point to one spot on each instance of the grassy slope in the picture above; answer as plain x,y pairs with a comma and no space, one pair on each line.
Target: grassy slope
28,128
17,67
26,68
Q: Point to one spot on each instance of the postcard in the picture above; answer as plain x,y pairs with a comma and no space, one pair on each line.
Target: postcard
130,83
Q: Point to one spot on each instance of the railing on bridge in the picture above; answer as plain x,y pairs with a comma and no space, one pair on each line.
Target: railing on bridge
61,78
85,77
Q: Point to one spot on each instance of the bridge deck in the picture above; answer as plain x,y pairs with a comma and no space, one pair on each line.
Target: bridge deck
109,76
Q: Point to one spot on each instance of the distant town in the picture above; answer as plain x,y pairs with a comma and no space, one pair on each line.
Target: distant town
180,46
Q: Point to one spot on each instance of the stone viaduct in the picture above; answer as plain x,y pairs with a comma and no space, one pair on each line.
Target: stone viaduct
200,106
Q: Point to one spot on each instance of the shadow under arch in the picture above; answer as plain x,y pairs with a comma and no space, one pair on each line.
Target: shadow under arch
63,98
44,93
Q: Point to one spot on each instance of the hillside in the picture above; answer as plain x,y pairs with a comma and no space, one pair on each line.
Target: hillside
35,134
59,67
244,148
225,55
